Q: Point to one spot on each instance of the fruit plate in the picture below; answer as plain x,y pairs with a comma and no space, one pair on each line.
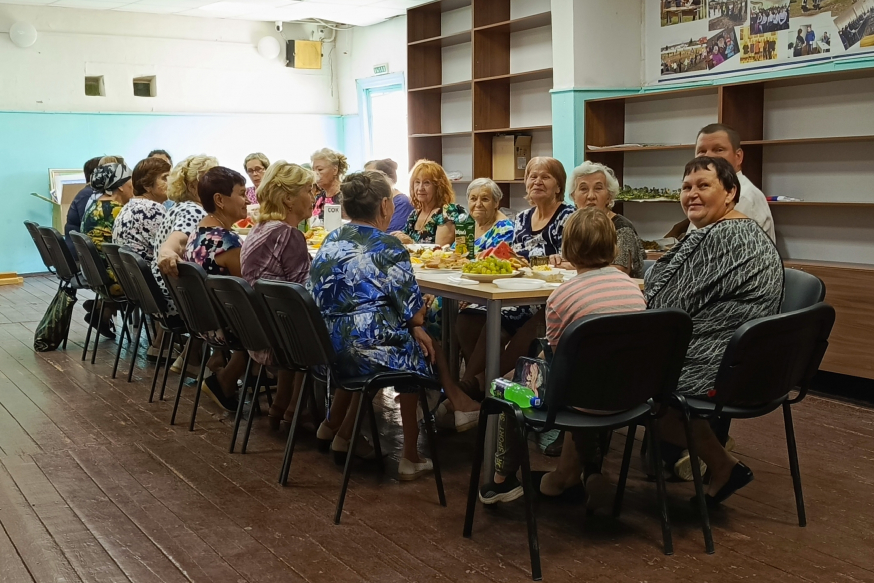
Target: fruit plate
525,284
490,277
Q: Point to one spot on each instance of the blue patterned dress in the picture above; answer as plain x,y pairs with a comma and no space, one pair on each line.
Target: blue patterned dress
501,232
363,283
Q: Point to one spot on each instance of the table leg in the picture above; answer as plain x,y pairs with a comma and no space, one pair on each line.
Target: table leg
450,339
493,363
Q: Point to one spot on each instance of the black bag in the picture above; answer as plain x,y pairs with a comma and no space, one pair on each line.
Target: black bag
55,324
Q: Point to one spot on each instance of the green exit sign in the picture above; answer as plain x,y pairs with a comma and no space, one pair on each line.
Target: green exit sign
380,69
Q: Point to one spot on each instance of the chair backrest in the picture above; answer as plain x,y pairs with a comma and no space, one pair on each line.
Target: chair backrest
144,289
615,362
244,315
297,322
44,253
110,251
62,259
92,264
767,358
188,290
800,290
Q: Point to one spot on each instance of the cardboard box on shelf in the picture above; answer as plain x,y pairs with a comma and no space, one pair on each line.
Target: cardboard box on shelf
510,156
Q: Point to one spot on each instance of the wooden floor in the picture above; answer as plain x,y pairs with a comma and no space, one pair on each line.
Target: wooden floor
95,485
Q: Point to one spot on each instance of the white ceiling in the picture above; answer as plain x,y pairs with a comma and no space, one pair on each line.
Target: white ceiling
356,12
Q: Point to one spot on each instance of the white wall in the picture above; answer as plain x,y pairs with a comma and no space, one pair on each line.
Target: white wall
202,65
360,48
597,43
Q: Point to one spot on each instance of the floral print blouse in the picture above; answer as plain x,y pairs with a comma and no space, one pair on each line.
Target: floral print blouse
97,225
542,243
450,214
205,244
363,283
137,224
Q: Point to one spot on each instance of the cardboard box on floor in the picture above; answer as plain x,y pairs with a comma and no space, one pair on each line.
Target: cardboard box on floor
510,156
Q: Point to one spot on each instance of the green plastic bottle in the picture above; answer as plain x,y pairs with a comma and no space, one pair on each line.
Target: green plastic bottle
515,393
465,235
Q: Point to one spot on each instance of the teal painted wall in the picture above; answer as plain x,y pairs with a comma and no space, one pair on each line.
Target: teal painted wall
31,143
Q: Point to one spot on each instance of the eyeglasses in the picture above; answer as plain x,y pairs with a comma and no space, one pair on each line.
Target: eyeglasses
258,170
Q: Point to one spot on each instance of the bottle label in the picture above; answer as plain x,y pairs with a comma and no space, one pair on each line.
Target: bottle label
499,386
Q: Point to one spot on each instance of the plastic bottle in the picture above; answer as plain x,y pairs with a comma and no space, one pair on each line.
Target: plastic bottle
515,393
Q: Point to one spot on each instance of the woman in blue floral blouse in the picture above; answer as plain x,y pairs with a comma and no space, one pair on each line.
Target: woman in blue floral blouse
363,283
434,210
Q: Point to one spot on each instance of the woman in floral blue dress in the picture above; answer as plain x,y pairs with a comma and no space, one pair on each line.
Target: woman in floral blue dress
363,283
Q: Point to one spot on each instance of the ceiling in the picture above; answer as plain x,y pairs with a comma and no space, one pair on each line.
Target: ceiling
355,12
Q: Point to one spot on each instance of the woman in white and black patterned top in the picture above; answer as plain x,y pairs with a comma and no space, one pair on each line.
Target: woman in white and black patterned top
724,274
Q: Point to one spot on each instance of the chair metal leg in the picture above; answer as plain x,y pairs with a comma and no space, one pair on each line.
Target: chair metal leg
623,473
94,314
133,356
97,330
200,376
253,409
661,491
528,489
793,464
148,327
432,444
158,366
167,366
699,483
186,353
239,416
374,431
292,434
350,455
124,330
309,387
475,470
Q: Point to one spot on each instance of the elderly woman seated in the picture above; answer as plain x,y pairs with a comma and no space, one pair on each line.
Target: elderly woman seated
724,273
363,283
434,210
590,245
595,185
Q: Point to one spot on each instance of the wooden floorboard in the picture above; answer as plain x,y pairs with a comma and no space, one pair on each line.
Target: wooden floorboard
95,485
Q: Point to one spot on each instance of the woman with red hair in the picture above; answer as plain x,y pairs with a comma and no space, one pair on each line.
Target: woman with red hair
434,209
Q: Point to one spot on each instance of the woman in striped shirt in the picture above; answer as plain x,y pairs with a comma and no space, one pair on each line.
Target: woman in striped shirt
590,245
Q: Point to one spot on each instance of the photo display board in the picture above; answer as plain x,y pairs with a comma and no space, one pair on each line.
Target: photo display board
688,39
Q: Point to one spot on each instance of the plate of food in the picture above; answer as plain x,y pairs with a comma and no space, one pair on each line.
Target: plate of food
442,260
489,269
548,274
315,236
243,226
521,284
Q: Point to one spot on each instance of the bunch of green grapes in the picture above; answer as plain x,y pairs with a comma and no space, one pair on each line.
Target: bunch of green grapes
488,266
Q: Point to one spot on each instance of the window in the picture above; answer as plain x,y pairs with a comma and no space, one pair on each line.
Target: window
382,105
94,86
144,87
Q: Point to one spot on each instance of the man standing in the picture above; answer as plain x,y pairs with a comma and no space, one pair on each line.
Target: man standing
720,141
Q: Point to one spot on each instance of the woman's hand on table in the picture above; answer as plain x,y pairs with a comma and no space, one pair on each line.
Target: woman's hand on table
403,237
425,342
555,260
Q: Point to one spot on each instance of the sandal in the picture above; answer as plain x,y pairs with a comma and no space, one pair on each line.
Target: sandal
740,476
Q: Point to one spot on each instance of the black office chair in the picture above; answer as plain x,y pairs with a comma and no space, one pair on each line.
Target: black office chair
44,254
590,371
189,293
66,269
97,276
245,316
303,335
800,290
132,307
152,302
647,263
765,360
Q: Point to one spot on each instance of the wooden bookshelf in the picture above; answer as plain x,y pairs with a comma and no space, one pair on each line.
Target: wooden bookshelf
491,84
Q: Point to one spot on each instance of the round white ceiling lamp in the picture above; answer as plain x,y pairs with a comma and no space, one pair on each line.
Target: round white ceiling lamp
269,47
22,34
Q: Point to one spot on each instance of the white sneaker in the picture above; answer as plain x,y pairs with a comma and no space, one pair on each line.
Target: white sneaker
408,470
465,420
683,467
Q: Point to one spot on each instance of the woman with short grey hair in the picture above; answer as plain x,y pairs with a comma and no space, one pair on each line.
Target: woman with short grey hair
484,204
595,185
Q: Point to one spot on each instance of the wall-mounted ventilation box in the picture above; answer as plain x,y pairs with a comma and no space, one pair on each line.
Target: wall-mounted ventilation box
303,54
94,86
145,86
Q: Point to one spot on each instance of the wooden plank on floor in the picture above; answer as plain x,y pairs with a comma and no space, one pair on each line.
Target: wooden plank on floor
136,555
84,553
44,559
39,427
13,569
168,531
